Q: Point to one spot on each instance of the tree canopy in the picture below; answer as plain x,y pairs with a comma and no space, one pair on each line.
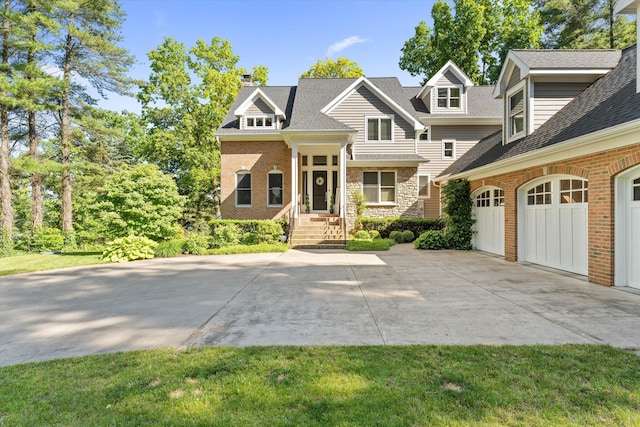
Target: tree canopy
328,68
476,35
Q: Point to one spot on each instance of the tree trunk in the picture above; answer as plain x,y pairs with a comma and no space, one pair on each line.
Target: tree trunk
65,144
5,185
612,39
37,210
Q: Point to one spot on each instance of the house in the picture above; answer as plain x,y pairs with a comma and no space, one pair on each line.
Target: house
559,185
318,142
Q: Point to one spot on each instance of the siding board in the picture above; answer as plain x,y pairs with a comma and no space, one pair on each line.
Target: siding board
549,98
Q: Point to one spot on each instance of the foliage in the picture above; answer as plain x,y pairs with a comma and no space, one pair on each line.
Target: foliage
170,248
359,200
386,225
342,68
273,228
362,235
432,239
184,101
226,234
458,209
47,239
130,248
374,234
138,200
585,24
6,243
408,236
251,249
196,244
476,36
396,236
369,245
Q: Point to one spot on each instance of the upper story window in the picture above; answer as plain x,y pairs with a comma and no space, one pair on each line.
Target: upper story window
448,150
448,97
424,136
380,128
259,122
516,105
243,188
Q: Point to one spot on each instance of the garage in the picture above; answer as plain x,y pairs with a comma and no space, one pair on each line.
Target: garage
553,223
628,229
488,210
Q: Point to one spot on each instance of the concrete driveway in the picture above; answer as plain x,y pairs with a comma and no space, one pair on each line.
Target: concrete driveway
403,296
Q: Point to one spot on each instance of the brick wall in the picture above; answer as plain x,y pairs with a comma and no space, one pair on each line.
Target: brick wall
407,204
258,158
600,169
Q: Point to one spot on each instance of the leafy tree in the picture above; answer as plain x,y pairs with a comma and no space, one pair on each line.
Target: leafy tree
89,48
138,200
327,68
188,94
584,24
476,37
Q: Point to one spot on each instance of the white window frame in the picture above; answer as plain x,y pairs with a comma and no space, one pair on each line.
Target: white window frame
366,128
428,196
448,98
453,149
380,186
427,132
254,117
244,172
275,172
511,136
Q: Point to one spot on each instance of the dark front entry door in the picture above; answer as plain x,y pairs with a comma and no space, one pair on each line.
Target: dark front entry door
319,191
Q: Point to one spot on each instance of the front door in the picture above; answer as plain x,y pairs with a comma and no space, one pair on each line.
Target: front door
319,191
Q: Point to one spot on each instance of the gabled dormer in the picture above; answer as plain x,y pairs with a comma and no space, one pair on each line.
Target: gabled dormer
259,112
446,91
536,84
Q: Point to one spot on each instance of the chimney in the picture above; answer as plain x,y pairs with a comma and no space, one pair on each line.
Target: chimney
246,80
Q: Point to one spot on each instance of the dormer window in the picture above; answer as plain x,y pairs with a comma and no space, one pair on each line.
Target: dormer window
259,122
448,97
516,107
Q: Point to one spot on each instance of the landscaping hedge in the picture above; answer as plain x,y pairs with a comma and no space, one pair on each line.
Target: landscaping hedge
250,225
385,226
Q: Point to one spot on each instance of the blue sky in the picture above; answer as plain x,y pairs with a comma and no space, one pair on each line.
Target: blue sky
287,36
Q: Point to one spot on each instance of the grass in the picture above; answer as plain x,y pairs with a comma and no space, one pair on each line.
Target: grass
39,262
369,244
571,385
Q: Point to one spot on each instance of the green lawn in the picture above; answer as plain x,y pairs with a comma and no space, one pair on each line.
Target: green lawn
39,262
348,386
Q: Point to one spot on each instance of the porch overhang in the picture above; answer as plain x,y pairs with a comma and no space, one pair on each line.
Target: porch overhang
319,137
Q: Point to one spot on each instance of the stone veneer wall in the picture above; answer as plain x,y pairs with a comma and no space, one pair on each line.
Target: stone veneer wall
407,204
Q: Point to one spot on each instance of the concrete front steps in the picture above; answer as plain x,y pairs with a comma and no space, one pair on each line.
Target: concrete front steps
318,231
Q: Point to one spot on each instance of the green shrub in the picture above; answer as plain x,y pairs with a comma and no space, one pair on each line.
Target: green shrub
269,232
396,236
433,239
224,235
386,225
6,243
374,234
362,235
170,248
250,239
408,236
253,249
47,239
272,228
124,249
458,209
196,244
369,245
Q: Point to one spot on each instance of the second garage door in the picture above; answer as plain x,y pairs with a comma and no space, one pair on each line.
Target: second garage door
488,209
553,223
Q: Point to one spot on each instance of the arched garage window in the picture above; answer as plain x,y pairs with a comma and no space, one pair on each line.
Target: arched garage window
243,188
275,182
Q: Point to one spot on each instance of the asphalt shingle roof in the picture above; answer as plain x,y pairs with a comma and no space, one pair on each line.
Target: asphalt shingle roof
610,101
568,58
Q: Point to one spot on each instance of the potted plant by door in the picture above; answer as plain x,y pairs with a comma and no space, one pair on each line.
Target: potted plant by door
332,203
307,204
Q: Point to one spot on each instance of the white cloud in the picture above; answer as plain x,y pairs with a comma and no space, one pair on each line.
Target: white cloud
343,44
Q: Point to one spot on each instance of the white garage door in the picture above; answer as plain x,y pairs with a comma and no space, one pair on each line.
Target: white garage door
628,230
488,209
553,230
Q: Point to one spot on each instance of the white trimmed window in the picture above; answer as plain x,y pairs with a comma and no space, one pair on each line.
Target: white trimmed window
259,122
243,188
424,186
574,191
448,149
448,97
275,190
636,190
516,119
540,195
379,187
424,136
379,129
